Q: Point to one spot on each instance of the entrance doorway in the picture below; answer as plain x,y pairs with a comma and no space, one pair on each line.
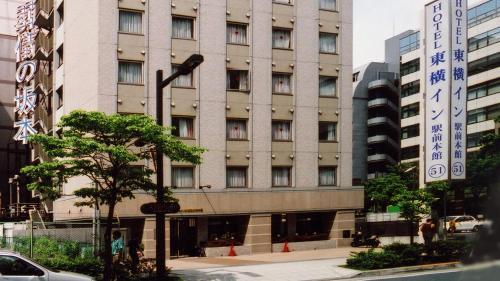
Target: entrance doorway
183,237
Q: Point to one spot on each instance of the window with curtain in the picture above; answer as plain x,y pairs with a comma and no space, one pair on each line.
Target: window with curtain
185,81
130,72
327,42
183,127
236,33
327,131
236,129
237,80
327,176
183,177
182,28
328,4
130,22
282,130
282,83
236,177
282,38
327,86
282,176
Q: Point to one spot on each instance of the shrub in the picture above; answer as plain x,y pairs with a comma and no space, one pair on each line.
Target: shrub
372,260
409,254
451,250
88,266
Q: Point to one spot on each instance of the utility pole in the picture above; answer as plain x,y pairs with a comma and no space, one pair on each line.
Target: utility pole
185,68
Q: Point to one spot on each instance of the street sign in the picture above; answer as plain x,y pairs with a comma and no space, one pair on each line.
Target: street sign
160,208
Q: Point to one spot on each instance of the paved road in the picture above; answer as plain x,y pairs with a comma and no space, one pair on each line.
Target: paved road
327,269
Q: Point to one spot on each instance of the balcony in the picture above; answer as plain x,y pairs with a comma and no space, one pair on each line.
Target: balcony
44,46
382,102
43,79
45,14
381,139
382,120
42,117
382,83
380,158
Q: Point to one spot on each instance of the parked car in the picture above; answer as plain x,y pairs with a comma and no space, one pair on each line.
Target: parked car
15,267
465,223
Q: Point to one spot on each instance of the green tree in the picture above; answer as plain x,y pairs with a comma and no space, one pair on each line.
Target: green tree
413,204
381,189
105,148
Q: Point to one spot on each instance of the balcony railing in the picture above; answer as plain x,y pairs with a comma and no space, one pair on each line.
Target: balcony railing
43,79
45,14
44,46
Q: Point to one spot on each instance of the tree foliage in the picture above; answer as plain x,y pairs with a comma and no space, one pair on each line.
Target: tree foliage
106,149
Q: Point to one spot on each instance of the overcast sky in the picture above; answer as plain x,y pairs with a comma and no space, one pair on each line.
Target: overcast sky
377,20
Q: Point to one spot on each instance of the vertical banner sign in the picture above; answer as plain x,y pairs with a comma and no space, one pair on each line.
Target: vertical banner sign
25,99
458,109
437,93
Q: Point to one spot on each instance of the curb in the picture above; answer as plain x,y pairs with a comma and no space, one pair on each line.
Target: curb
396,270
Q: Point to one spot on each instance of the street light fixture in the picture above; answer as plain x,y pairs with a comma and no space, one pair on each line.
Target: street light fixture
185,68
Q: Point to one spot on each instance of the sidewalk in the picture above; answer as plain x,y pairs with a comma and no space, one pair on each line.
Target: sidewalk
200,263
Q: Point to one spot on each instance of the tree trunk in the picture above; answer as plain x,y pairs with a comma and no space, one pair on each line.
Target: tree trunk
410,225
108,258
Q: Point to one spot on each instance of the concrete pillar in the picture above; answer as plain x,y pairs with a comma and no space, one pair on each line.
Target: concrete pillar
149,237
202,229
343,220
258,235
291,220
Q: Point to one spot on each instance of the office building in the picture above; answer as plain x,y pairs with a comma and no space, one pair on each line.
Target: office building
376,121
271,103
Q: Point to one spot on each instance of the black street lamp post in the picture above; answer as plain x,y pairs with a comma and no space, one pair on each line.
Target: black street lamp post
185,68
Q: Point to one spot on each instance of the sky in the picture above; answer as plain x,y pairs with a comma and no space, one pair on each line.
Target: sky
377,20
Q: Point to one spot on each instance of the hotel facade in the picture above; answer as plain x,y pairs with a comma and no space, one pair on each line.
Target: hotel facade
272,104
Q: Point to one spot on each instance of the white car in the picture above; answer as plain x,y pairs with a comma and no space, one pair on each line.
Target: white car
15,267
464,223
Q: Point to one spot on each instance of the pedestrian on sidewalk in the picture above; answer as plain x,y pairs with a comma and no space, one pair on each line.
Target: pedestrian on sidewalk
428,230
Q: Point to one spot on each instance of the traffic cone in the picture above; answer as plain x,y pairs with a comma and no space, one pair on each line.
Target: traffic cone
232,253
285,248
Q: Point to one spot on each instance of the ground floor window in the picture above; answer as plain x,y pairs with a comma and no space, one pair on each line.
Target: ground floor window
301,227
227,231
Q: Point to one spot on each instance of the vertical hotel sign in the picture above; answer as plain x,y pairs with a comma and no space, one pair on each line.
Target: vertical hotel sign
26,98
458,108
446,88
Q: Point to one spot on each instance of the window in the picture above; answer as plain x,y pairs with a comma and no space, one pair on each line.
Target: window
282,130
327,42
236,129
483,90
182,28
410,110
59,97
327,86
283,1
355,77
327,176
476,116
236,33
60,12
484,64
183,81
409,43
411,88
14,266
484,39
483,12
410,132
410,67
130,72
183,177
60,56
410,152
130,22
237,80
282,176
282,83
474,140
328,4
183,127
236,177
282,38
327,131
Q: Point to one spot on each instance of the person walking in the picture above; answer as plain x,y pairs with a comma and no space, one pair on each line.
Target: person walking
428,230
135,253
117,246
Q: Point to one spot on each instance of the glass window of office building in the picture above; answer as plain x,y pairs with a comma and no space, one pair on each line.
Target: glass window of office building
409,43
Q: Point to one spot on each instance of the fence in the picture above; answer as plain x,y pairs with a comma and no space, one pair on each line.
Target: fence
38,240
